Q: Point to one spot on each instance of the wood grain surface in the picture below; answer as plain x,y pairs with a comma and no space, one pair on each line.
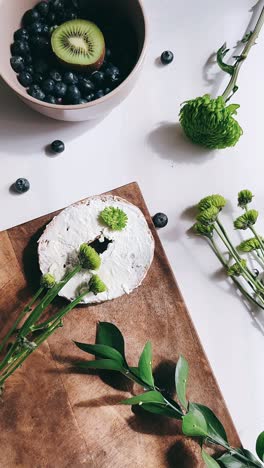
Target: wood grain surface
54,417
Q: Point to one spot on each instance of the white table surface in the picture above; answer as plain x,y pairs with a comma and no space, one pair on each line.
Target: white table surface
141,141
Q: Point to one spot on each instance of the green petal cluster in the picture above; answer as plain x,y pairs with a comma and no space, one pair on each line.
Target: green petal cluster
47,281
249,245
246,220
212,200
96,285
89,258
114,218
204,230
209,122
244,197
236,269
208,216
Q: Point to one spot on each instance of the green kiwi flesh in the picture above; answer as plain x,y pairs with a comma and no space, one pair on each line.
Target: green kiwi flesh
79,44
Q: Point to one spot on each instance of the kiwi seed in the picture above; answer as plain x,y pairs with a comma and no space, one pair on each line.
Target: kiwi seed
79,44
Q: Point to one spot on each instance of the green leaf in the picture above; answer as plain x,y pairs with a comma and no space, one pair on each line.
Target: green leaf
201,421
209,461
109,335
260,446
147,397
221,53
145,365
107,364
160,409
102,351
135,371
181,376
242,459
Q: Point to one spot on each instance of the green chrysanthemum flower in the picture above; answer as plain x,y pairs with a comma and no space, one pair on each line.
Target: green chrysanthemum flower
237,268
212,200
208,216
209,122
204,230
246,220
96,285
244,197
249,245
47,281
89,258
114,218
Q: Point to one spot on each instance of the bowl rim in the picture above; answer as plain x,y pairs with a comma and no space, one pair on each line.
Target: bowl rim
101,100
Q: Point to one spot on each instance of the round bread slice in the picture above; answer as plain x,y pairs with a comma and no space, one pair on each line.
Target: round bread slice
124,263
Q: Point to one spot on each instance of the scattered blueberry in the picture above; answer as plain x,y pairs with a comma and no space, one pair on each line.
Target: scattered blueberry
99,94
86,86
45,29
57,5
55,75
166,57
73,94
20,48
90,97
60,89
57,146
38,78
50,99
17,63
30,17
28,59
51,18
98,77
160,220
41,66
40,44
70,78
25,79
29,69
22,185
21,34
43,8
70,15
48,85
112,74
83,101
36,28
107,90
36,92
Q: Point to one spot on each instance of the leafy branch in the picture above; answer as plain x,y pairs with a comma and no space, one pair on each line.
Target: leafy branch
197,420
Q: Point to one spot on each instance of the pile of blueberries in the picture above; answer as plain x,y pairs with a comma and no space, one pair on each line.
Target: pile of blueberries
39,71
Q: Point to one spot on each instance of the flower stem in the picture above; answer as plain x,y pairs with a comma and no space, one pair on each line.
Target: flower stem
231,87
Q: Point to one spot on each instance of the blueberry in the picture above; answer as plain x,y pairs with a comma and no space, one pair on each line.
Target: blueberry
45,29
20,48
111,70
166,57
99,94
83,101
60,17
25,79
40,44
55,75
28,59
41,66
22,185
30,17
70,15
60,89
57,146
70,78
107,90
90,97
43,8
21,34
86,86
35,28
38,78
73,95
57,5
160,220
36,92
98,77
17,63
48,85
50,99
29,69
51,18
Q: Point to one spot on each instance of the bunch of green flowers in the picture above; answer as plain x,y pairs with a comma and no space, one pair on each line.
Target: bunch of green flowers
209,225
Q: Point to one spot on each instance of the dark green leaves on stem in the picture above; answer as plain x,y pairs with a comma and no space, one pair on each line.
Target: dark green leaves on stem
106,364
145,365
181,375
201,421
221,53
239,458
109,335
209,461
148,397
102,351
260,446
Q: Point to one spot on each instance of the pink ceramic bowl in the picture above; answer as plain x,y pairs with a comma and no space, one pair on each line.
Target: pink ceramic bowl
11,14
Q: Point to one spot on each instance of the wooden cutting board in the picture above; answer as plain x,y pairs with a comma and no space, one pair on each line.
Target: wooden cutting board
54,417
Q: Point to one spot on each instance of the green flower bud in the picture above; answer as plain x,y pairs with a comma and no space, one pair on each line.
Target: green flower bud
89,258
204,230
236,269
209,122
246,220
244,197
96,285
249,245
114,218
47,281
208,216
212,200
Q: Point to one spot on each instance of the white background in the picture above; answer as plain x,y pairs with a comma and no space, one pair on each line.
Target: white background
141,141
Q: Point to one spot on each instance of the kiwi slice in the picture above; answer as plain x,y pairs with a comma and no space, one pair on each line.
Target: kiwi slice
79,44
